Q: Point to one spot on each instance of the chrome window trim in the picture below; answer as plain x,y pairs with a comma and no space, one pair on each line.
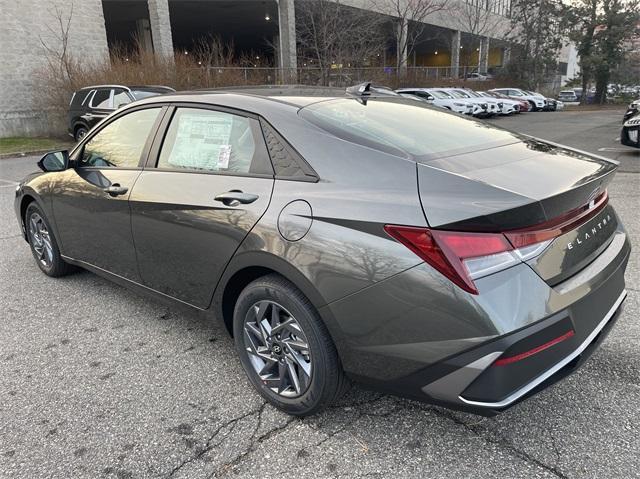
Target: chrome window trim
550,372
89,97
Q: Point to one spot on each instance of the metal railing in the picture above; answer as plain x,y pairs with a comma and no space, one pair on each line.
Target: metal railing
338,76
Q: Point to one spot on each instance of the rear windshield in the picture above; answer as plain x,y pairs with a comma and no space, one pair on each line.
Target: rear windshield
402,127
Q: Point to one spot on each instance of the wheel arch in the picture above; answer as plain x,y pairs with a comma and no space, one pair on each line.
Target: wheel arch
77,124
26,200
248,267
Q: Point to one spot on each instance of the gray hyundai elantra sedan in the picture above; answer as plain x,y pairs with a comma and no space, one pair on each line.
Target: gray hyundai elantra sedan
352,237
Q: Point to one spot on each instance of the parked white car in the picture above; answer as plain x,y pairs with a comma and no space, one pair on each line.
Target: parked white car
441,99
537,102
507,106
475,76
489,105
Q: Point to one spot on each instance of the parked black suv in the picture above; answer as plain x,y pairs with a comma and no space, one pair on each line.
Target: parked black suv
91,104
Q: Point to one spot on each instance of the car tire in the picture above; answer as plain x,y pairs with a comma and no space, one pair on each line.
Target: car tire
80,133
44,245
533,106
278,366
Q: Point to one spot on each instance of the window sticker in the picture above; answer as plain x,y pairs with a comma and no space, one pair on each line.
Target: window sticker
202,142
223,157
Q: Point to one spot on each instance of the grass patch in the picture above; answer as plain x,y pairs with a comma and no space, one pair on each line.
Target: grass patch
19,144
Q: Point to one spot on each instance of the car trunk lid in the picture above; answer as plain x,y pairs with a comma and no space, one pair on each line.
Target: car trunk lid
525,188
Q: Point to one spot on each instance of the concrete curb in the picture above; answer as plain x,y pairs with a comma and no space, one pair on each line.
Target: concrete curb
25,153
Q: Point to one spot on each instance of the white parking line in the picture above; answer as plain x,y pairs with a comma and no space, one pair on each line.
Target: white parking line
617,150
8,183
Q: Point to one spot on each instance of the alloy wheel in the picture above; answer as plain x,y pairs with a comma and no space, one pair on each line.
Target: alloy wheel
278,349
40,240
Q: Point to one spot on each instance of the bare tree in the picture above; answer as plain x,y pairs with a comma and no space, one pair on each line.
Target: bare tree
331,34
409,20
209,50
477,17
57,51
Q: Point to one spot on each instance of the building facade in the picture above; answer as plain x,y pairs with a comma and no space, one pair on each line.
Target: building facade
34,32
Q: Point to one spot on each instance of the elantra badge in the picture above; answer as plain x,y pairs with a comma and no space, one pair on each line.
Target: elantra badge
582,237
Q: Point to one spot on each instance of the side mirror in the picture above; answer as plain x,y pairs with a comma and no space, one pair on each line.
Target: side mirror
54,161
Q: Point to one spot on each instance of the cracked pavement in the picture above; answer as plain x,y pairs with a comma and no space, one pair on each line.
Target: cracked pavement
96,381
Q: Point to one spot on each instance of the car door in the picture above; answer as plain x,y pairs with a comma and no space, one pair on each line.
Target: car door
90,200
194,205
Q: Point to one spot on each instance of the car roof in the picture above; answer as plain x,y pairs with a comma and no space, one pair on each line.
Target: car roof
263,105
129,87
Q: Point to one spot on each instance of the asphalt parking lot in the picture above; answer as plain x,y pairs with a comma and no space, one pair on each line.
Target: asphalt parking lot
96,381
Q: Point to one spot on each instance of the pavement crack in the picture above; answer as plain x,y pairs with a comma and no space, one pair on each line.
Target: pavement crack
525,456
209,445
254,443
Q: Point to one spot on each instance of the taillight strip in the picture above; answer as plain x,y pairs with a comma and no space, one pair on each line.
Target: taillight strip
557,226
531,352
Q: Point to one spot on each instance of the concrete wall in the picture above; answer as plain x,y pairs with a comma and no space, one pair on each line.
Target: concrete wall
444,18
23,24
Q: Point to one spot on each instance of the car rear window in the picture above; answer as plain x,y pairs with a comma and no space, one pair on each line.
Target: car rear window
402,127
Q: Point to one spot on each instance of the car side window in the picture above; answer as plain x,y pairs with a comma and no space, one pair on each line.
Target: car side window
101,99
423,94
121,142
211,141
120,98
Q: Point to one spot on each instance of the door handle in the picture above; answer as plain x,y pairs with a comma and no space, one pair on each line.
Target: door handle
116,190
235,197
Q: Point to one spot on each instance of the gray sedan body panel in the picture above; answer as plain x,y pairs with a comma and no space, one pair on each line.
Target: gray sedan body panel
397,322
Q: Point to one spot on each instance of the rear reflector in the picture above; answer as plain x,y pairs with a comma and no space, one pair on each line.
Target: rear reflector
531,352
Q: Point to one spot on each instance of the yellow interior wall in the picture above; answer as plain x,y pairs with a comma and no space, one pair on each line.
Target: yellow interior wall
442,59
495,57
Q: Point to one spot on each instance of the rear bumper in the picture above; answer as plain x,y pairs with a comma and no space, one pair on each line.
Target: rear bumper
441,346
559,369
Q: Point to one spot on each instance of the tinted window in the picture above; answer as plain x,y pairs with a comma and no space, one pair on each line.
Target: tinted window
120,143
78,97
444,94
120,97
208,140
101,99
457,94
398,126
422,94
439,94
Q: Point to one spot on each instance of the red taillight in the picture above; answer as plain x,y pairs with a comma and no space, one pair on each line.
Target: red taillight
446,250
531,352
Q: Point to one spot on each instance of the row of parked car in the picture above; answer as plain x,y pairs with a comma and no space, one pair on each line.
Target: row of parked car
91,104
483,104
